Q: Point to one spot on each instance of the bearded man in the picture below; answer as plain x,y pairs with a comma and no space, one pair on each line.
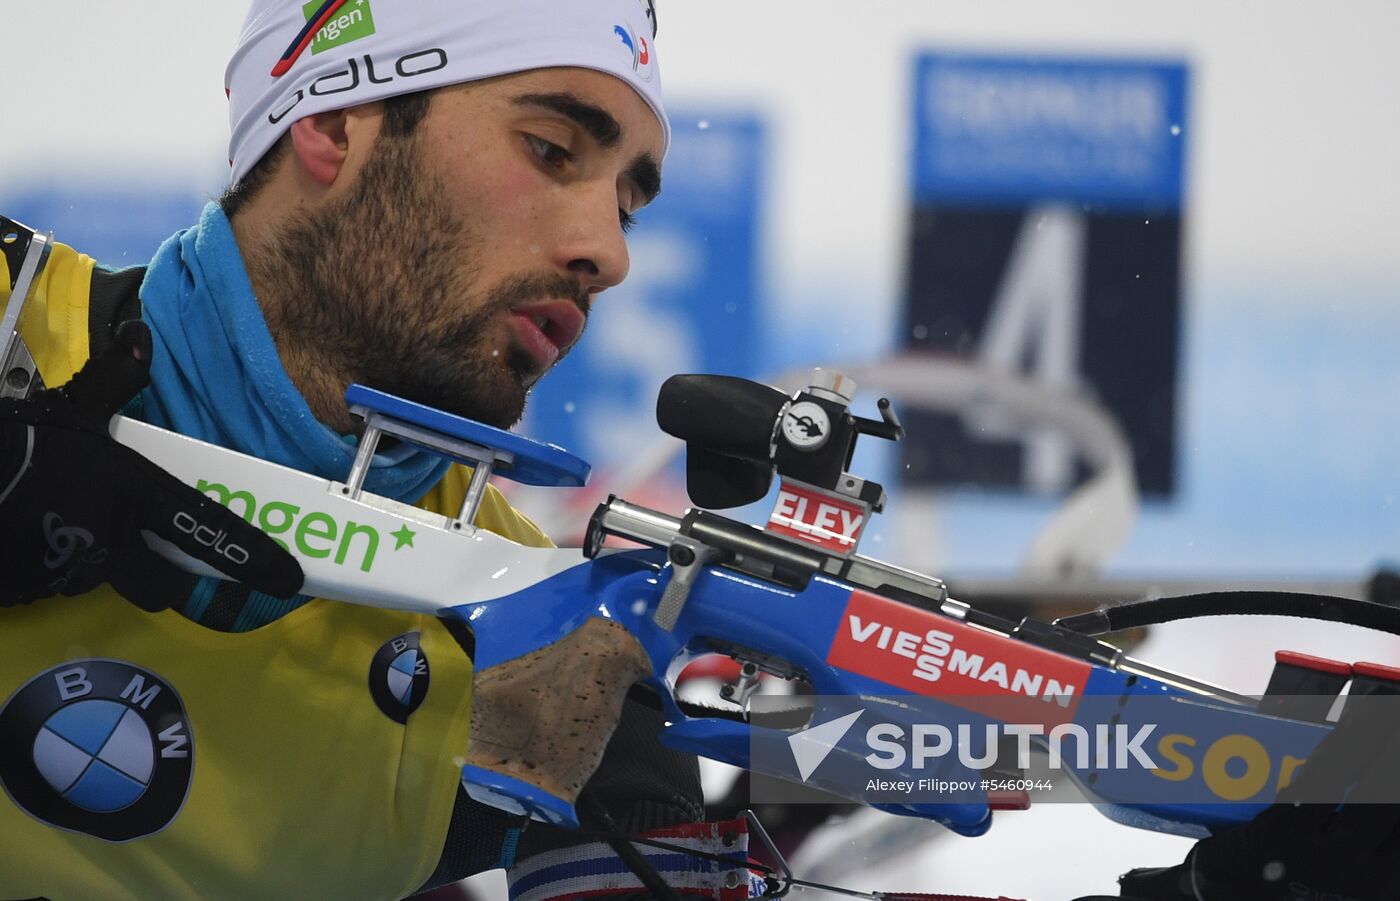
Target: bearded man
428,199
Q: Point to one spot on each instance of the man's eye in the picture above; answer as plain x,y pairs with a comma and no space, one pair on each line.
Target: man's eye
548,152
626,219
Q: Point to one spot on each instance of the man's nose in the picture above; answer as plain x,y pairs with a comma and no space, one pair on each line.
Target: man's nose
593,248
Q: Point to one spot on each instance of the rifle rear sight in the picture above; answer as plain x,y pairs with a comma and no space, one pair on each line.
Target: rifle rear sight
739,433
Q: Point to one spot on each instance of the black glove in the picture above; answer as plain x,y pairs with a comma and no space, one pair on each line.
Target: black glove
74,502
1310,851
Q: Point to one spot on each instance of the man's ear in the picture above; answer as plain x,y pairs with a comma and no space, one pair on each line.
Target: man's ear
321,143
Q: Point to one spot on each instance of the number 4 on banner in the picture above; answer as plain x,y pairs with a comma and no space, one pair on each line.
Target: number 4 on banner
1034,324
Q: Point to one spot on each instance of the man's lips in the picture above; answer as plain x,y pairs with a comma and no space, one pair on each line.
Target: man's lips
545,330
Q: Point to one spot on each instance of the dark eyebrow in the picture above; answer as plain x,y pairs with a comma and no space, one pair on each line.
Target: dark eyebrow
593,119
603,128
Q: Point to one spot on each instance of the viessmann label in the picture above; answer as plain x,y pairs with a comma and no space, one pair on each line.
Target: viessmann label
941,658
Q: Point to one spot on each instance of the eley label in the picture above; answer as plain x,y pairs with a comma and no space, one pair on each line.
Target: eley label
831,522
351,22
942,658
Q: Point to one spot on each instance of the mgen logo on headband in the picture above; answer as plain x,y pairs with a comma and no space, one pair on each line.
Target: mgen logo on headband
326,27
314,23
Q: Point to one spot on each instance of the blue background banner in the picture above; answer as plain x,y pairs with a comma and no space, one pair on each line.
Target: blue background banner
1017,129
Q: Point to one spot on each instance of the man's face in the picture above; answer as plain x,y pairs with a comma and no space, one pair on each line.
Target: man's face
461,262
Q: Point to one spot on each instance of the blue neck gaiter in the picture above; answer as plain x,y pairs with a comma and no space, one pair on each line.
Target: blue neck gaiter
216,374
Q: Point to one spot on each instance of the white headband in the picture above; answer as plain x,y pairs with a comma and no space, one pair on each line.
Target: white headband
366,50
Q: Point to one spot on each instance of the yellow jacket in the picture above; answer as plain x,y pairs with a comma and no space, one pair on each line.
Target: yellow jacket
147,757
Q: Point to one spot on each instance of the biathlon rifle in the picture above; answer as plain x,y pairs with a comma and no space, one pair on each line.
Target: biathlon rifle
794,600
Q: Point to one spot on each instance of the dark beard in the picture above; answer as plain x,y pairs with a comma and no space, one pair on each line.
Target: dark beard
377,288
